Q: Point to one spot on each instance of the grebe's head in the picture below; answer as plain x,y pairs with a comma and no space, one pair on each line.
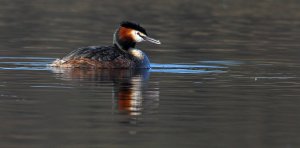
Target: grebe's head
128,34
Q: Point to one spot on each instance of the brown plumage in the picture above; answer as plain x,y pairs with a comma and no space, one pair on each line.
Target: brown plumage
125,34
119,62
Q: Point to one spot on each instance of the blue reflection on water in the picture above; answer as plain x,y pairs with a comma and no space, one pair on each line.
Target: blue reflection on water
186,68
29,58
25,63
226,62
41,63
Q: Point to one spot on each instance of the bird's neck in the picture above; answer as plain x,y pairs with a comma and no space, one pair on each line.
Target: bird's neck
140,58
122,43
138,54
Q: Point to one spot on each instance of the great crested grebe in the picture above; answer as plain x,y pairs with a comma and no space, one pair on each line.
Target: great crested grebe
122,54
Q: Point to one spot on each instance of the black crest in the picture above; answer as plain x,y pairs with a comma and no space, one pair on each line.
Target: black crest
134,26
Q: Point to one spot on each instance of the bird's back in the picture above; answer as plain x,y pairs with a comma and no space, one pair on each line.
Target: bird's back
99,53
98,57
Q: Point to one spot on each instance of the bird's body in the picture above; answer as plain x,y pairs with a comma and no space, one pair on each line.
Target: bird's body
103,57
122,54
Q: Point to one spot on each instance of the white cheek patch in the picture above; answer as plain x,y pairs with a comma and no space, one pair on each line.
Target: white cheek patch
136,37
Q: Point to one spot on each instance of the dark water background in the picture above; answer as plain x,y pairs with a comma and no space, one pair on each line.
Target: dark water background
226,75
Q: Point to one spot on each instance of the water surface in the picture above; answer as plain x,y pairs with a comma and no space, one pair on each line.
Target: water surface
226,75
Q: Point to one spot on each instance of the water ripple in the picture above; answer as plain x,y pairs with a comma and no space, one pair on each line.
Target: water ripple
29,58
186,68
41,63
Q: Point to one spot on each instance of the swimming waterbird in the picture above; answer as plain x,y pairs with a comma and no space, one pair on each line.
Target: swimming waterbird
122,54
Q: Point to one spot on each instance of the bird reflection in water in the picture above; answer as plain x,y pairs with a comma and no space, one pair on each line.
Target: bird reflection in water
129,95
132,93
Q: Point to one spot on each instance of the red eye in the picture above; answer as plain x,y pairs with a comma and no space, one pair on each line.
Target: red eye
138,33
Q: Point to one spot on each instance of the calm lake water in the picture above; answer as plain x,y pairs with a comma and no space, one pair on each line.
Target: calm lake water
226,75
